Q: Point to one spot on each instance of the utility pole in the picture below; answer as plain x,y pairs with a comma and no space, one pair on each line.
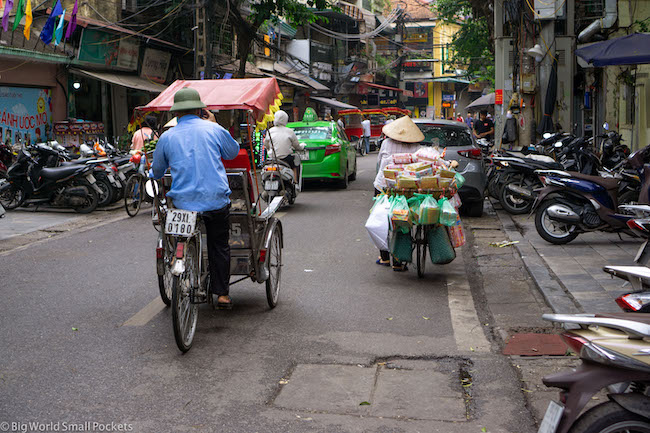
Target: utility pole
200,40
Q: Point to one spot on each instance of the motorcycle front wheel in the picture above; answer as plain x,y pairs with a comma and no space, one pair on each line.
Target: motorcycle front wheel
552,231
512,203
610,417
12,197
91,201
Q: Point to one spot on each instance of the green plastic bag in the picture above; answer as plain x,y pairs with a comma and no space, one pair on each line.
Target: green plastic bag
401,246
440,249
448,214
429,211
459,180
414,207
399,215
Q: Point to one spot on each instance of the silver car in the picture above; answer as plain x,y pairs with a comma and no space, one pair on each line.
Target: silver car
459,141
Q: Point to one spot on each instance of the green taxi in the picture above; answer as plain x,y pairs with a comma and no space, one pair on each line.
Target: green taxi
328,152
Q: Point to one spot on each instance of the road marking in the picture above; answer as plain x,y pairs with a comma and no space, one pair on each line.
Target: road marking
468,331
143,316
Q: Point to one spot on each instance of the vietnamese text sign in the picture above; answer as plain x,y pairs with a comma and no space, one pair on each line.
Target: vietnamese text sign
25,110
155,65
498,97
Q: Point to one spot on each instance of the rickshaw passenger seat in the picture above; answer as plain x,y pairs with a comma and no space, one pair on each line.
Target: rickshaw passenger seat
242,162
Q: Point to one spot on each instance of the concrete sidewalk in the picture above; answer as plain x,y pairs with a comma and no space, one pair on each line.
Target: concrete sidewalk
571,276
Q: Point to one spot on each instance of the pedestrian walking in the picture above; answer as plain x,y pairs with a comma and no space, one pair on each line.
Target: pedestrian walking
366,134
402,136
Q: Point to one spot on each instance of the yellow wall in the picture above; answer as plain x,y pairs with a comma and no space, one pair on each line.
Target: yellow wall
442,34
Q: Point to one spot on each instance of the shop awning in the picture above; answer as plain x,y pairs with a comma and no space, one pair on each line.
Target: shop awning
333,103
124,80
286,80
292,72
632,49
450,80
381,86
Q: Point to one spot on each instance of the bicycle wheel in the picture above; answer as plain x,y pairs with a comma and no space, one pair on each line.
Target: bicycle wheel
275,267
185,313
133,194
166,280
421,249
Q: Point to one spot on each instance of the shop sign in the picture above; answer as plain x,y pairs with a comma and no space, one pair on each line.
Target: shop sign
364,101
25,111
446,105
67,128
155,65
321,53
287,93
448,97
420,90
416,66
109,49
416,37
389,101
498,97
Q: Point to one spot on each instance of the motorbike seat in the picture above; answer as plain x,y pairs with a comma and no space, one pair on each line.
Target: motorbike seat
56,173
79,161
607,183
541,158
121,160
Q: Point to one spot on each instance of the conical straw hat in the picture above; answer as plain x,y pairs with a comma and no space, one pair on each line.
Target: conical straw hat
403,129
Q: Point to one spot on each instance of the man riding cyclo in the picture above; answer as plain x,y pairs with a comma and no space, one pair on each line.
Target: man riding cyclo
193,150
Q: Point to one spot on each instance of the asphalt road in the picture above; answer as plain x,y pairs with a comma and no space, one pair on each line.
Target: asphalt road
83,337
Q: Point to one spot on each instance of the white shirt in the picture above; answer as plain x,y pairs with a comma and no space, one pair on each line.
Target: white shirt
390,147
284,141
340,122
366,127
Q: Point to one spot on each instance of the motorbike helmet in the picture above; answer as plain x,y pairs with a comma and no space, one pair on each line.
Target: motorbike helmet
608,148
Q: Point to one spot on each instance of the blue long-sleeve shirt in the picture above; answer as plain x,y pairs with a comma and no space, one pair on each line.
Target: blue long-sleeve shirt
193,150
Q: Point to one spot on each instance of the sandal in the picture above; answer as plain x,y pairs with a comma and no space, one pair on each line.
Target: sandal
400,268
383,262
224,305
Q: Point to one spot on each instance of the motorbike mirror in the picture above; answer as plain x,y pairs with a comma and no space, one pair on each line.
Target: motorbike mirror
547,135
606,126
558,144
151,187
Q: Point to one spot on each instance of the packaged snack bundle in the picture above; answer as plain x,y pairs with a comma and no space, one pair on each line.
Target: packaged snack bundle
429,212
444,172
408,182
455,201
399,214
414,207
444,182
418,169
428,154
456,234
391,173
448,214
429,182
404,158
391,183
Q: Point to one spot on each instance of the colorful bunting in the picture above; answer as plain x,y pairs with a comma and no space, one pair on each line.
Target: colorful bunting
5,17
58,33
28,19
72,25
48,28
20,12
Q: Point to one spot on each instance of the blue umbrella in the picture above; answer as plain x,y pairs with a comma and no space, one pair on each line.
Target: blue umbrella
632,49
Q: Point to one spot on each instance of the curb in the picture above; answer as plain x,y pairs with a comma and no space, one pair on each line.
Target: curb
555,294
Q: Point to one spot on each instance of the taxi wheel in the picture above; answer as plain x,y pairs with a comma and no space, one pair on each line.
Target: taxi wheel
345,180
353,176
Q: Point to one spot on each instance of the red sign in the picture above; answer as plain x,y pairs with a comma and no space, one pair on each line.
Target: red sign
446,105
498,97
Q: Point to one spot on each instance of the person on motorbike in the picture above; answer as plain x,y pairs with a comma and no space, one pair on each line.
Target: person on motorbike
193,149
282,141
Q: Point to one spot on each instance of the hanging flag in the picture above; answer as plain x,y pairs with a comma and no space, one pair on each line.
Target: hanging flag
20,12
58,33
5,17
72,25
28,19
48,28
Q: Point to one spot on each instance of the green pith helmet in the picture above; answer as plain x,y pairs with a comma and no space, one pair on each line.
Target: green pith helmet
187,99
310,115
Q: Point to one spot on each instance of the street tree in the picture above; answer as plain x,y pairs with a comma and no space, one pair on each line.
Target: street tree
472,46
246,24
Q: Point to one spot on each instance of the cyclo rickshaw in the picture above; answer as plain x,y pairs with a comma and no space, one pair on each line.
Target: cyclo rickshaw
256,238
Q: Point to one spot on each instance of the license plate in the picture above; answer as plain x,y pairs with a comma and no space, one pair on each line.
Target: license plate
121,176
271,185
91,178
304,156
180,222
551,418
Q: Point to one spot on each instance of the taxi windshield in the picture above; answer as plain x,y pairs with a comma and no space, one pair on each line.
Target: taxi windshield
313,132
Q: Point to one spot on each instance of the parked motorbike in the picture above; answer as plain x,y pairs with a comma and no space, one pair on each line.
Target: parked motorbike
279,180
614,352
573,203
29,182
6,159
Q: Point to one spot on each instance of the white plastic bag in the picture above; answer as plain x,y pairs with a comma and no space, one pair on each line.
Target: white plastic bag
378,223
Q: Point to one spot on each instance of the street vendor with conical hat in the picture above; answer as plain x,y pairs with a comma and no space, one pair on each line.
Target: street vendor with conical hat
402,136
